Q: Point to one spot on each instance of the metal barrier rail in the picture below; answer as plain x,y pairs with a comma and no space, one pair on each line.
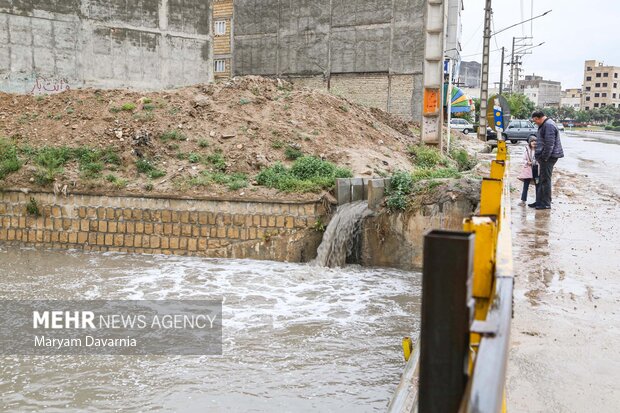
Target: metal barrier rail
489,333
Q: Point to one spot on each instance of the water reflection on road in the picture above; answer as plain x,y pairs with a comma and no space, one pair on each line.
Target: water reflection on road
296,337
567,284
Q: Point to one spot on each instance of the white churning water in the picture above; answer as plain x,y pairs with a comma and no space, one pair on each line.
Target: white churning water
296,337
340,234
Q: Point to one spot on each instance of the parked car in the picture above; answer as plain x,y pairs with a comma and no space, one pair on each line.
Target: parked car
461,125
519,130
491,134
560,126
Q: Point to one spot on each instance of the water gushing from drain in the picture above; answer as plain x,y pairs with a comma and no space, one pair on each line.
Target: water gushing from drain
341,233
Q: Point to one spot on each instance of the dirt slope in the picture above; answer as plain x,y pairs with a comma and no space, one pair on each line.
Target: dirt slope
252,122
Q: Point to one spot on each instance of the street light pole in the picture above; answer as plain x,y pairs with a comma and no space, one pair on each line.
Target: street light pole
501,74
484,86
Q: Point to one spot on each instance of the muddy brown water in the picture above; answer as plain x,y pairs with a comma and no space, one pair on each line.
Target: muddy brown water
296,337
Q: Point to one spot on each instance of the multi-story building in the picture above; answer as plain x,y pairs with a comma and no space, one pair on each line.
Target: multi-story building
571,98
544,93
600,85
470,74
454,31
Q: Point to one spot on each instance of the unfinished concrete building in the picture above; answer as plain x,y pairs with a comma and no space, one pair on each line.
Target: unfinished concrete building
370,51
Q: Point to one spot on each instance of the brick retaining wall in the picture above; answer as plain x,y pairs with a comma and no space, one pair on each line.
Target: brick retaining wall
276,230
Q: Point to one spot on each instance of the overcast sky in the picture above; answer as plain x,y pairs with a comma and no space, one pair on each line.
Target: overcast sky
573,32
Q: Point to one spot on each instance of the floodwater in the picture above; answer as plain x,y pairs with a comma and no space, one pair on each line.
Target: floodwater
566,328
296,337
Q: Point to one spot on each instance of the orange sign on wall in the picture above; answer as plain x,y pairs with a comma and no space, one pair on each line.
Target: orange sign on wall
431,101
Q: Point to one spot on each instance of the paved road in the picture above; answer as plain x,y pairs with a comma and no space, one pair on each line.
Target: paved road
565,352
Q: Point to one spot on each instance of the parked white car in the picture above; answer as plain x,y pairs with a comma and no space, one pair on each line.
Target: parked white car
461,125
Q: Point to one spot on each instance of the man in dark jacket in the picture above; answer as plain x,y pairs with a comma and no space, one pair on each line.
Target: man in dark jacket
548,151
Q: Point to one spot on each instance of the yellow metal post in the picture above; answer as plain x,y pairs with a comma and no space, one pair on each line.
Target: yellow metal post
407,347
497,169
484,254
491,197
501,150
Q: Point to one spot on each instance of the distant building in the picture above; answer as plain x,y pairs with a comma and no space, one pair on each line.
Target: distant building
469,75
571,98
600,85
454,31
544,93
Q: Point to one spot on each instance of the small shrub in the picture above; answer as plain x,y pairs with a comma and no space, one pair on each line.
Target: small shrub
439,173
128,107
33,207
203,143
146,101
608,127
91,169
115,109
111,178
244,101
426,156
9,162
148,107
307,174
343,108
293,153
173,135
147,167
216,161
70,110
463,160
148,187
233,181
194,157
277,144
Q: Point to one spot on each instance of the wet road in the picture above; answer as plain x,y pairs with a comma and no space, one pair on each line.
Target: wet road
566,330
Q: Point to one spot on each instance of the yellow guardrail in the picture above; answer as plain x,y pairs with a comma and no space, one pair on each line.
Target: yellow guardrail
492,291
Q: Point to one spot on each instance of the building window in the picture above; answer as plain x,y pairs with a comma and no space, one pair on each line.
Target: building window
604,84
613,96
587,98
220,27
587,107
596,105
597,85
598,75
615,76
587,88
603,104
605,74
615,86
588,78
589,69
220,66
604,95
596,95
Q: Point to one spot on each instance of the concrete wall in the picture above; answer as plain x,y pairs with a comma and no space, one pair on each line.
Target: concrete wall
358,48
280,231
47,46
397,239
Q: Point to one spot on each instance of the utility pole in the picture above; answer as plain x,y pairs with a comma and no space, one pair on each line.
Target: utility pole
512,66
501,74
484,87
432,108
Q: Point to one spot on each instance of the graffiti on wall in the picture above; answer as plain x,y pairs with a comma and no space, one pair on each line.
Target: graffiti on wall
44,86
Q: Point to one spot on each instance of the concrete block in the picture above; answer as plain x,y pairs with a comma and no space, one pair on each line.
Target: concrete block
343,190
365,185
376,192
357,189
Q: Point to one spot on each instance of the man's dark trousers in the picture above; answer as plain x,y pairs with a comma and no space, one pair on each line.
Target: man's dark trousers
543,191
